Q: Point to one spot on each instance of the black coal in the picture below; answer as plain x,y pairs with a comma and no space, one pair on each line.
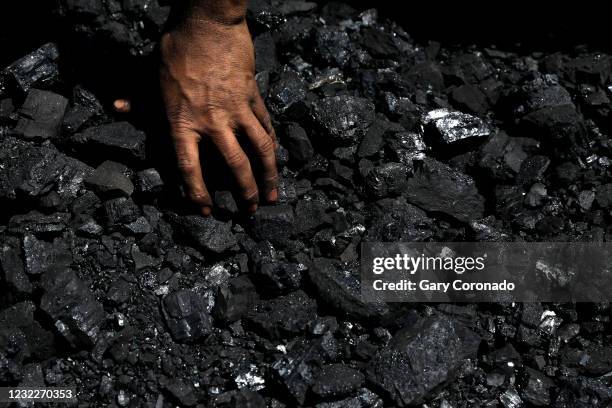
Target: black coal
110,287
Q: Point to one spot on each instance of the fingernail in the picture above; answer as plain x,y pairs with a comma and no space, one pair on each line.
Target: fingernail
122,105
252,208
273,195
206,211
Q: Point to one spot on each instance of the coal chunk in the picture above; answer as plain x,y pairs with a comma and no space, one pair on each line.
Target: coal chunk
274,223
470,98
149,181
12,268
74,310
450,126
41,256
208,233
110,180
297,143
120,211
420,358
340,286
285,316
41,115
186,315
38,224
344,119
39,68
436,187
234,300
387,180
118,140
536,387
35,170
337,381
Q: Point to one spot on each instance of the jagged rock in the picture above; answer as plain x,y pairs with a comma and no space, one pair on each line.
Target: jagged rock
38,68
186,316
343,120
41,115
437,188
339,286
210,234
41,256
120,141
234,300
297,142
337,381
72,307
449,127
420,358
110,180
149,181
285,316
274,223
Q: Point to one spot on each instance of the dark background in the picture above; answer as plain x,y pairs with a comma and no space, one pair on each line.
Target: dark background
528,25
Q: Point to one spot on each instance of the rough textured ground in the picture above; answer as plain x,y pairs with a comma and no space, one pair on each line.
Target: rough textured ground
110,287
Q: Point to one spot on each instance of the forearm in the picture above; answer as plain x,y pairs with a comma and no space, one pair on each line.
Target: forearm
222,11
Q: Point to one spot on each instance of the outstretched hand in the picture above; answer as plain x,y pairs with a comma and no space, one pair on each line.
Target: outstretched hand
209,89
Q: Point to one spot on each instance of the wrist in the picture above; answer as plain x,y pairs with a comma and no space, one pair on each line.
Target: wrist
222,12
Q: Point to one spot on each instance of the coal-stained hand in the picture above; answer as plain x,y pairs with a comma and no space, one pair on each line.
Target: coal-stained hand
209,89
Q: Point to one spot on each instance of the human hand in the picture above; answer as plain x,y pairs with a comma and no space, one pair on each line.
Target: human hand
209,90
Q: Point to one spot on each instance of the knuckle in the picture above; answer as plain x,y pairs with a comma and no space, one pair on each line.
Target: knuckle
199,197
266,147
236,158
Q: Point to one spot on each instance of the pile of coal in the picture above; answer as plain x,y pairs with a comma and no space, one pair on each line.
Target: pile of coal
109,287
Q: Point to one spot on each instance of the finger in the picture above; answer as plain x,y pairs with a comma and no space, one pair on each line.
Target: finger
237,160
187,154
263,145
122,105
261,113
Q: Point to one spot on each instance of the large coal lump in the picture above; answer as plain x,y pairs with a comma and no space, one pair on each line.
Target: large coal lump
343,120
420,358
438,188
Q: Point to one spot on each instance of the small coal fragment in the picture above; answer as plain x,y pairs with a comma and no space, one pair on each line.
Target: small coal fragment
449,127
435,187
535,388
297,143
274,223
343,120
12,269
210,234
38,224
339,286
470,98
35,170
285,316
225,204
119,140
389,179
287,93
120,211
278,278
110,180
604,195
337,381
149,181
234,300
41,256
75,312
186,316
41,115
36,69
333,46
420,358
